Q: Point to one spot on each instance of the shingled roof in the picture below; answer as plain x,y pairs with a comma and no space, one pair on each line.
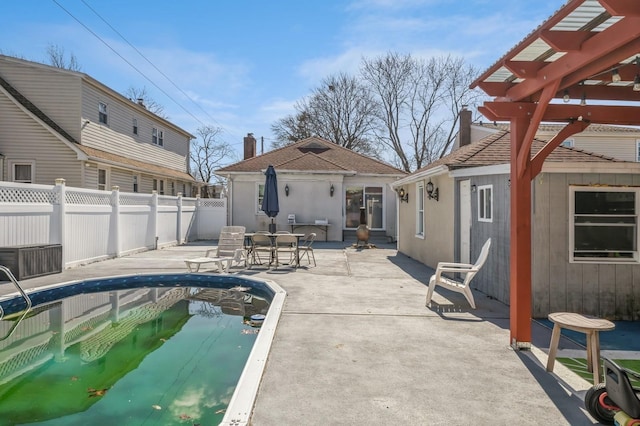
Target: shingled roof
496,149
314,154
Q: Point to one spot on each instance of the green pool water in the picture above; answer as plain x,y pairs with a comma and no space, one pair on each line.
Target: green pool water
141,357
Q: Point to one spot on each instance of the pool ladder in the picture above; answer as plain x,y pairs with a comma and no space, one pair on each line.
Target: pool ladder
13,279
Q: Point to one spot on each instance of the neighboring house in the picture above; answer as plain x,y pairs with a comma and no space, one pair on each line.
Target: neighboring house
317,180
585,210
56,123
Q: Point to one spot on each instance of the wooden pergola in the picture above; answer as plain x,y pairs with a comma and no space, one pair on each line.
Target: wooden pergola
581,66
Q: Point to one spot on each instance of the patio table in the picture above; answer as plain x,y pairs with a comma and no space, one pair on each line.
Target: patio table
249,245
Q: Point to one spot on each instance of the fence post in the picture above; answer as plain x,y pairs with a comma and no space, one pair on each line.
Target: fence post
62,213
198,214
115,218
154,217
179,221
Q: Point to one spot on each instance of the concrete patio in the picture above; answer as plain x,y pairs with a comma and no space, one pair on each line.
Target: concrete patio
356,346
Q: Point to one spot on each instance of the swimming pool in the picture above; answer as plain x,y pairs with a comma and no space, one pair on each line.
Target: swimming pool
142,349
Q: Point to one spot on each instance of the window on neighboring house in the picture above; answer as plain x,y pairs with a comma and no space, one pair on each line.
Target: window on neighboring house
568,143
102,179
102,113
603,224
161,187
260,197
155,185
135,183
135,126
485,203
638,150
22,171
173,188
420,210
157,136
184,190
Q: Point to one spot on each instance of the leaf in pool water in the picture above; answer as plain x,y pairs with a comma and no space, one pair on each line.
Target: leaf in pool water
184,416
247,331
74,378
156,407
163,340
220,411
96,392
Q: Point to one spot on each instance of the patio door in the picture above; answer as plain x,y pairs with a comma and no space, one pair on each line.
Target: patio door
368,197
465,220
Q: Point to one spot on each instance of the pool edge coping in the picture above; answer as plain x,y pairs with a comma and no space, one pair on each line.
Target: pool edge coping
244,396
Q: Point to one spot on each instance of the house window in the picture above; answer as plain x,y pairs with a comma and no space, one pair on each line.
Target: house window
260,197
604,224
184,190
368,197
155,185
420,210
157,136
173,188
102,113
485,203
161,187
135,183
135,126
638,150
102,179
568,143
22,171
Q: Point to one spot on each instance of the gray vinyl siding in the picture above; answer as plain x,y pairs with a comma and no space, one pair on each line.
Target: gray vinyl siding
23,138
613,146
493,278
117,135
605,290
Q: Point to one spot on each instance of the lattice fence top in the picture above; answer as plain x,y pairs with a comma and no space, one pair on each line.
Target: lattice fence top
28,195
212,202
97,198
135,199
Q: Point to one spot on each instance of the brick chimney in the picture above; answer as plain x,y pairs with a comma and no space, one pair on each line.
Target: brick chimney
249,146
464,135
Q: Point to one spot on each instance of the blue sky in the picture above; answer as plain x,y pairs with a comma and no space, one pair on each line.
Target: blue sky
243,64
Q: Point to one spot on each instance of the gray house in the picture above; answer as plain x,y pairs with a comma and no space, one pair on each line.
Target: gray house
56,123
585,207
322,187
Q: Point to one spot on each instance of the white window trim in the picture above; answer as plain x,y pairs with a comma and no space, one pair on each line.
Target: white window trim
637,150
420,210
481,215
257,199
12,170
106,113
107,177
602,260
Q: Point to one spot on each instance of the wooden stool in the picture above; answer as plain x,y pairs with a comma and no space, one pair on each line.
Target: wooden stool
591,326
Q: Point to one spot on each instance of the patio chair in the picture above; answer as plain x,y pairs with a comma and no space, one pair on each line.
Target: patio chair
306,249
286,244
466,270
261,244
230,249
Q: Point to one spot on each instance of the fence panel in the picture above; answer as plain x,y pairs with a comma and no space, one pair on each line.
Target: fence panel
117,223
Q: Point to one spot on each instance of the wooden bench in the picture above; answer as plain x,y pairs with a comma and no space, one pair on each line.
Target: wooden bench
589,325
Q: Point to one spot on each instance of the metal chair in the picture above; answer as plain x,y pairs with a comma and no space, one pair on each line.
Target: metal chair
305,248
286,244
261,243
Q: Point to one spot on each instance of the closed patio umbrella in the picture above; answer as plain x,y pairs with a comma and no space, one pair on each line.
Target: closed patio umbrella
270,201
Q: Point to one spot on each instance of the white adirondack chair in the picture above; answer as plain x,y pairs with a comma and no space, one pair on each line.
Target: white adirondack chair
467,270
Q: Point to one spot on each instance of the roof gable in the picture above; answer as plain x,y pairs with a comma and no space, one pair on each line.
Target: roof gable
313,154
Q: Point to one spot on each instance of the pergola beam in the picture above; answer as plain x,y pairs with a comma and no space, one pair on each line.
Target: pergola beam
565,41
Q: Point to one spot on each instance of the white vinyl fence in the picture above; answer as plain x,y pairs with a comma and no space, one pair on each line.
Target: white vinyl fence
93,225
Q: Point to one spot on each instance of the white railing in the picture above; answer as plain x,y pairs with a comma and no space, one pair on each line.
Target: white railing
93,225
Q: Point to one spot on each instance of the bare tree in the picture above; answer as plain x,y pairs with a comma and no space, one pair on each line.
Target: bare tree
208,152
58,58
419,102
142,97
341,110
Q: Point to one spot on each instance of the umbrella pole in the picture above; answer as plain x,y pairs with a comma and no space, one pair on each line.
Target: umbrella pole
272,227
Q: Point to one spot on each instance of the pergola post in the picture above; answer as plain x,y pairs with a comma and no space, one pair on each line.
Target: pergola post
520,249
